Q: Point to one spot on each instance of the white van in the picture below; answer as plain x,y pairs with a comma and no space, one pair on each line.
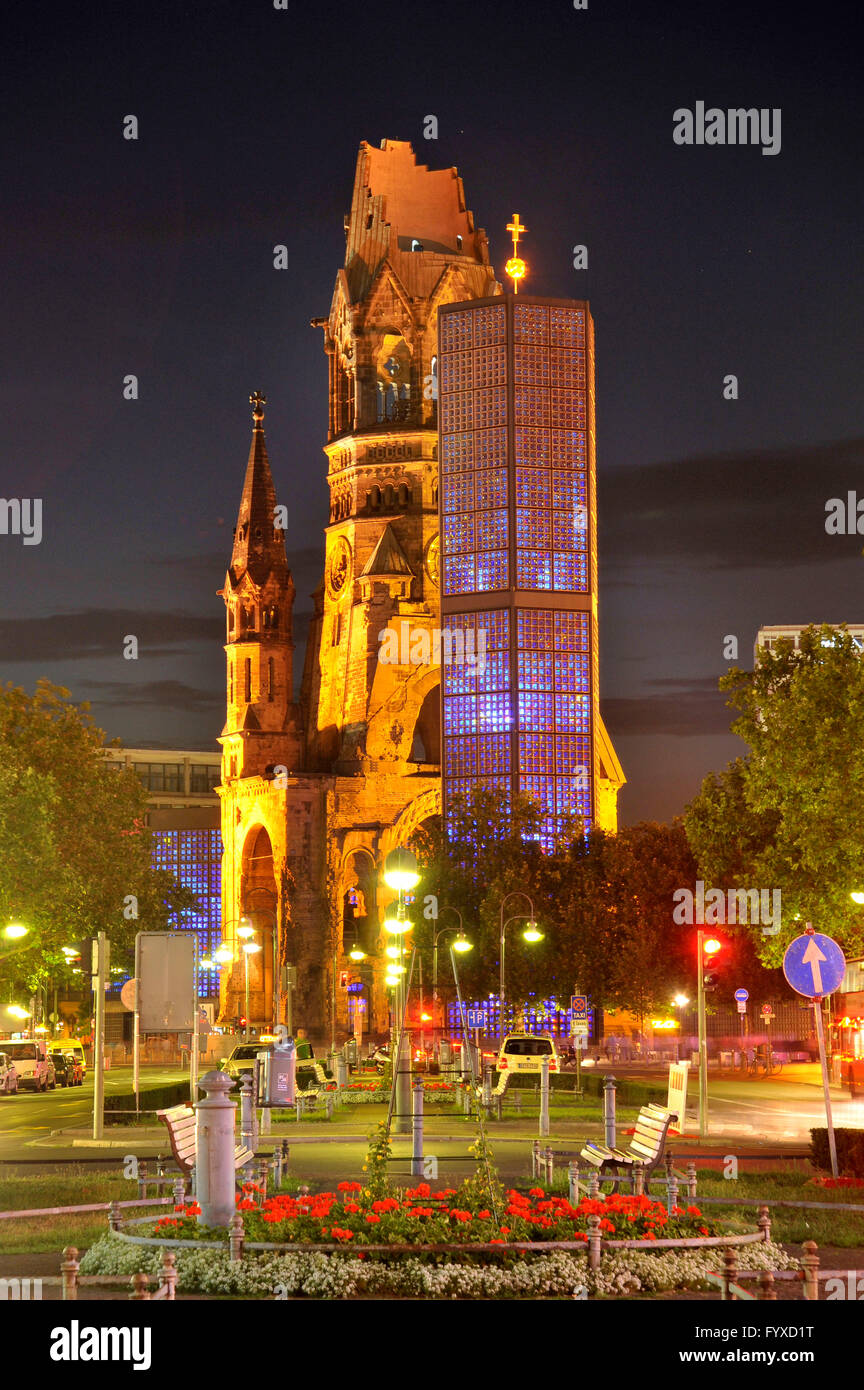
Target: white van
524,1052
73,1045
31,1060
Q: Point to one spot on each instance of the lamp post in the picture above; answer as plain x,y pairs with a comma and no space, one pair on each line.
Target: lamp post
401,874
531,934
706,946
461,944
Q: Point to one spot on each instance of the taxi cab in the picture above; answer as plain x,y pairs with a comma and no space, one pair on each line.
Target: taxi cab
524,1052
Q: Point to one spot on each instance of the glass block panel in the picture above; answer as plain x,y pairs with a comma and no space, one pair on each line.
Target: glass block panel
460,714
530,323
490,448
457,453
569,490
490,407
458,532
533,569
566,409
530,366
456,330
459,574
492,570
532,527
494,714
533,487
531,405
456,372
536,753
493,754
489,325
532,446
566,367
490,366
457,411
566,327
457,493
571,572
535,628
535,670
536,711
491,489
571,632
496,675
569,448
491,529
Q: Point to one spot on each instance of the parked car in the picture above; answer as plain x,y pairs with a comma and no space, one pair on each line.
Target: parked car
8,1076
67,1069
242,1060
379,1057
64,1045
524,1052
32,1062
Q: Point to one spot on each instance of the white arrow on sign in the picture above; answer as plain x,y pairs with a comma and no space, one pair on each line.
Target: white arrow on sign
812,957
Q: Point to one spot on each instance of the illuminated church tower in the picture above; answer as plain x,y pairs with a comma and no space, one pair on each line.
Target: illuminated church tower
315,796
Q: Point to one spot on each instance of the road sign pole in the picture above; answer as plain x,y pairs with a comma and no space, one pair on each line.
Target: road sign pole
136,1034
101,963
826,1085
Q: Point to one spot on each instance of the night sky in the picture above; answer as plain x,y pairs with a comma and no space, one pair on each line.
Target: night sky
154,257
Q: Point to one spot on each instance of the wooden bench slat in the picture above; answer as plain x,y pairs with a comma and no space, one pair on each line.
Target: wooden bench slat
642,1150
653,1142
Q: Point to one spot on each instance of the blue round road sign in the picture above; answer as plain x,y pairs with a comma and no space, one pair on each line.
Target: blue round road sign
814,965
742,995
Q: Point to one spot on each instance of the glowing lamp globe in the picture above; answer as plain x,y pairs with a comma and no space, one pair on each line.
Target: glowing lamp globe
356,954
531,933
224,954
397,925
400,870
250,947
15,931
857,897
462,944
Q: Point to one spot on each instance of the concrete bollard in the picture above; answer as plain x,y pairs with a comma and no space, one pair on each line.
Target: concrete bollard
235,1238
69,1274
594,1185
142,1179
595,1242
214,1140
573,1182
764,1223
535,1159
730,1273
549,1165
263,1173
638,1180
168,1274
140,1286
810,1261
544,1097
671,1193
179,1187
247,1121
609,1088
341,1070
328,1104
691,1181
766,1285
114,1216
417,1129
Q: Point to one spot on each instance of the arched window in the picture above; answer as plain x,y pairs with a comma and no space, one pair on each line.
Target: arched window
403,495
248,679
270,678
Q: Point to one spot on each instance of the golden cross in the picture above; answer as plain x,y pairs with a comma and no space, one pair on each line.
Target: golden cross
517,229
257,402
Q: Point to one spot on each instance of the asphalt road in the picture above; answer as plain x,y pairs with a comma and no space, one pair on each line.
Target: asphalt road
29,1116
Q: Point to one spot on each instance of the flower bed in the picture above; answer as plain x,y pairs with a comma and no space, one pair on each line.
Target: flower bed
373,1093
558,1274
419,1216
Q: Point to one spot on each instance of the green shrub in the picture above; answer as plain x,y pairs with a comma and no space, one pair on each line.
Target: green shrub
850,1151
627,1092
122,1103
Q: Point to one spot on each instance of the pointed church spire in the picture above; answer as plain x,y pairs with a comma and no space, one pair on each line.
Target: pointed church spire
259,546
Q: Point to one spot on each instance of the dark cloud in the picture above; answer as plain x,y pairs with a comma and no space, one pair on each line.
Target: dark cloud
159,695
752,510
685,708
94,633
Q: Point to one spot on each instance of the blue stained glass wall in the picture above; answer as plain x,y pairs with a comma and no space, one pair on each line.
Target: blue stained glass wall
516,488
195,857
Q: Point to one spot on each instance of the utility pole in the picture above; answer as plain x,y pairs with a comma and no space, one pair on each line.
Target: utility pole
99,979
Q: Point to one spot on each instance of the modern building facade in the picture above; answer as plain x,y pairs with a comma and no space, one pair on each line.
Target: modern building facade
768,637
519,558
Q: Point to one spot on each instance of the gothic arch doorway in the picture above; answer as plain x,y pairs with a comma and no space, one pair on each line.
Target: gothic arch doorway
426,742
258,900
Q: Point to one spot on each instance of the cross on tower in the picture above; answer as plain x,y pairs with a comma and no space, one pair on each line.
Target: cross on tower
257,402
517,229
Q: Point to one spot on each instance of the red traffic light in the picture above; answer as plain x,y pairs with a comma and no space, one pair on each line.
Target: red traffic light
711,946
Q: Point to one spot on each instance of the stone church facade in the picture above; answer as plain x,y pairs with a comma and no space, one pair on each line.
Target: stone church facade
316,792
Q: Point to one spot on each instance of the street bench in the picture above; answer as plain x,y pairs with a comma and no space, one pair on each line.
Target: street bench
646,1150
179,1121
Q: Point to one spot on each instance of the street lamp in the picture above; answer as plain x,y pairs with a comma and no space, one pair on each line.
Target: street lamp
249,949
706,947
400,873
15,930
16,1011
857,897
531,934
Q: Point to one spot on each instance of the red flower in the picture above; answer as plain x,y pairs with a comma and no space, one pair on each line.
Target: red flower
349,1187
536,1192
371,1218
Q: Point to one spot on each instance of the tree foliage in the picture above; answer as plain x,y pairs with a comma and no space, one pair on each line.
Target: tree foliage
75,847
788,815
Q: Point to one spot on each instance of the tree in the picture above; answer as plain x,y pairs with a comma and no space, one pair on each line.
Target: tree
76,853
788,815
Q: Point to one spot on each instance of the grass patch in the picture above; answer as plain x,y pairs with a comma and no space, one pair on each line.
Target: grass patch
69,1188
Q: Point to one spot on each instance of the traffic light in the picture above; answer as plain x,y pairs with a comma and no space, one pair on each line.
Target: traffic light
710,952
